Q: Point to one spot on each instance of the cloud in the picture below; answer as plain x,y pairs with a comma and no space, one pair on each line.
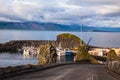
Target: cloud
101,13
103,22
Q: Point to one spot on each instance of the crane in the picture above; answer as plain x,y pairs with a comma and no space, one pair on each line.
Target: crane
88,43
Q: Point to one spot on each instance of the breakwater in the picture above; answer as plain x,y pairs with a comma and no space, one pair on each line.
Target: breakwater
67,41
16,45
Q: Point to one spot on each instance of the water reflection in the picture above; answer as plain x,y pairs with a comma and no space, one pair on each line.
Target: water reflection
29,56
61,59
65,59
14,59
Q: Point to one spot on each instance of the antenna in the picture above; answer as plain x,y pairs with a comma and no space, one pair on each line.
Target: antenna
88,47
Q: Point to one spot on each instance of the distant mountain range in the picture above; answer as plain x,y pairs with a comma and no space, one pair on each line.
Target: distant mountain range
53,27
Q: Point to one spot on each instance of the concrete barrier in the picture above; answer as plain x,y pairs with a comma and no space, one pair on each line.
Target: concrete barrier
113,66
116,67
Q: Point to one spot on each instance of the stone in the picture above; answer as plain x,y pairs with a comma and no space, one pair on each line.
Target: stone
47,54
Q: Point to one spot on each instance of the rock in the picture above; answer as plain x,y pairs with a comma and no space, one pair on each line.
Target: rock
53,54
47,54
44,54
69,41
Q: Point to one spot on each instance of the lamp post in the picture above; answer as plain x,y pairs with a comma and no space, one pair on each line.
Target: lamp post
81,31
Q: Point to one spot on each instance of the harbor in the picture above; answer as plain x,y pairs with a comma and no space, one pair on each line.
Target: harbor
25,56
60,40
28,55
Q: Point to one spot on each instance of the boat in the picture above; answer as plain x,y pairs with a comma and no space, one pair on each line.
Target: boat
30,50
60,51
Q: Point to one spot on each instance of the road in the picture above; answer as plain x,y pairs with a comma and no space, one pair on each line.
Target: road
71,72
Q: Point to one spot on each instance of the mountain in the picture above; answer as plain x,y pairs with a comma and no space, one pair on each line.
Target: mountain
37,26
52,27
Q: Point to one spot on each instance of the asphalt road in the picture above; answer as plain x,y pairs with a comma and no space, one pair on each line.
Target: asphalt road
71,72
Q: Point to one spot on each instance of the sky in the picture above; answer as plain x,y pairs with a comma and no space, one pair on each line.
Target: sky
98,13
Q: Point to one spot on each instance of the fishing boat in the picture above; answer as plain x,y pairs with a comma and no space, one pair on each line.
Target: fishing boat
30,50
60,51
